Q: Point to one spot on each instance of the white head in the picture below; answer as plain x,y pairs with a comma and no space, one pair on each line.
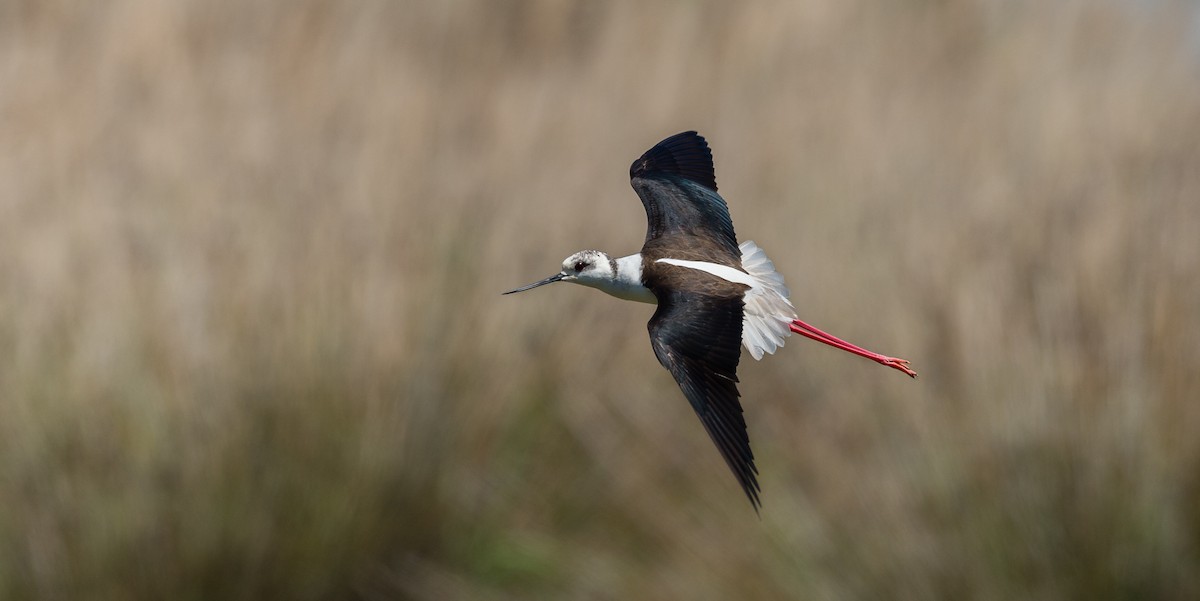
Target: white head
589,268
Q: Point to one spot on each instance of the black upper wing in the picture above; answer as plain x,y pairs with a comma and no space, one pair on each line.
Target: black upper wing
684,154
698,339
678,187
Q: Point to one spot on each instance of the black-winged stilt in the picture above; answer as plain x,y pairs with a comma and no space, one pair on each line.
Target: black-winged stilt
713,295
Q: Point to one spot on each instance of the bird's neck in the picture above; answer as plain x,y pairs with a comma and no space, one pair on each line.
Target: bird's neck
626,281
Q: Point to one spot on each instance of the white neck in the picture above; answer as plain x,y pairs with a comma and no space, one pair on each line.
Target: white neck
626,283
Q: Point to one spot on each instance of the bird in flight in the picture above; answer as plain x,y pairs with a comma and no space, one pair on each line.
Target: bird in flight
713,295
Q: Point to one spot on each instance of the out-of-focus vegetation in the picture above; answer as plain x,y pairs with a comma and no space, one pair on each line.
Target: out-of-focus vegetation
252,344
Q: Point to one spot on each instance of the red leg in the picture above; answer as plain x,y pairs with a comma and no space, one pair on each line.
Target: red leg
804,329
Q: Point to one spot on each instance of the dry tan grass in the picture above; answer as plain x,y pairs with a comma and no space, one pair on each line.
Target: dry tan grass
252,344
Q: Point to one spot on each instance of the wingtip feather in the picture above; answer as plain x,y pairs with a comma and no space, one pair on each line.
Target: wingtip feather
685,154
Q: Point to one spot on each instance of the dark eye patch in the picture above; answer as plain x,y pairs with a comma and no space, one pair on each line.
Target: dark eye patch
579,265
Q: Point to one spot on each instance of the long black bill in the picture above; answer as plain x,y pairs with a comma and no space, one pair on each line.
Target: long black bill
550,280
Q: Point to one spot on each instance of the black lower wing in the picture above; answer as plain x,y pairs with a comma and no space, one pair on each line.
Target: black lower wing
698,339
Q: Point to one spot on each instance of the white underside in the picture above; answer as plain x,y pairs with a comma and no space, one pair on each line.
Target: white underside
768,312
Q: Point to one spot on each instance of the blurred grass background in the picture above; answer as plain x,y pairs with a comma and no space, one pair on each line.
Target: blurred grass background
252,344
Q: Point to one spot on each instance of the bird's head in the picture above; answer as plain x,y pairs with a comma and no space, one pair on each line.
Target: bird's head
587,267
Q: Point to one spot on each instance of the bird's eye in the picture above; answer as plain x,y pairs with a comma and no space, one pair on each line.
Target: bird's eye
580,265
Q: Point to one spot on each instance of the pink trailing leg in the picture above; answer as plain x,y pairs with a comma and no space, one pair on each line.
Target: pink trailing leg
804,329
